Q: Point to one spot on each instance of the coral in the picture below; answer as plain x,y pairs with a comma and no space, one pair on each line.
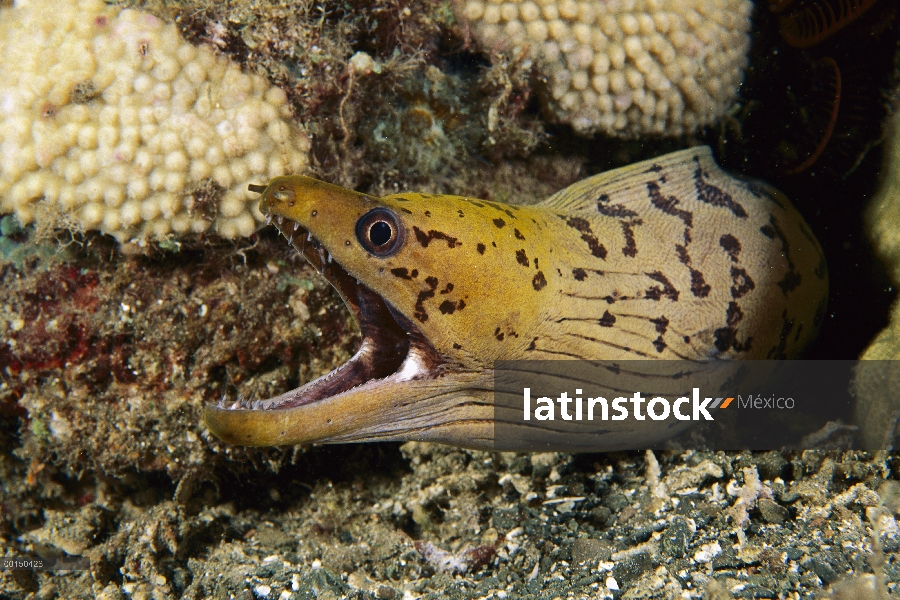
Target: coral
109,120
883,213
333,58
877,383
877,387
625,68
747,497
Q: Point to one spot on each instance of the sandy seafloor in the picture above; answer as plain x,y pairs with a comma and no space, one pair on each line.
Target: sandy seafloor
104,454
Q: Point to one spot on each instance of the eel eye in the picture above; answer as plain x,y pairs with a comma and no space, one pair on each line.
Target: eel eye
380,232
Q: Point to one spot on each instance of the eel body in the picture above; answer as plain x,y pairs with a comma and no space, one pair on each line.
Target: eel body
670,258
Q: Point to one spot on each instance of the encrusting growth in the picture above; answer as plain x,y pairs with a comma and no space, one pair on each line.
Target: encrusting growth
625,68
109,120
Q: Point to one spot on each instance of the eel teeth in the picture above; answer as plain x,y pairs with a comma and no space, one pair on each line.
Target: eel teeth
268,219
280,220
296,225
328,256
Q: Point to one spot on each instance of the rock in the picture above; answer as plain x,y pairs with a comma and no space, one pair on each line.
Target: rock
630,569
772,512
676,538
587,550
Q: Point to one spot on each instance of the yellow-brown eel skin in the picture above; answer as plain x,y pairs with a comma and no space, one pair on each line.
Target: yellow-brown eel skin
670,258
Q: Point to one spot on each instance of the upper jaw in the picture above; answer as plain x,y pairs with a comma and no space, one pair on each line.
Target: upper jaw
392,349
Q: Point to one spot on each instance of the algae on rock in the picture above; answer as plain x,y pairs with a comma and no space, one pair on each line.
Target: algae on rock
883,213
877,384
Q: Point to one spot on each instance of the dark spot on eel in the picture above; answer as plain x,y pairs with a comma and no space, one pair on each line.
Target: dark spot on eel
668,205
699,287
667,290
420,313
448,307
521,257
607,320
613,210
731,245
659,344
426,238
630,249
403,273
741,283
710,194
662,324
584,227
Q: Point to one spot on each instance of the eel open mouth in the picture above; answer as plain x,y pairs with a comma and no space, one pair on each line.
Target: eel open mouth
392,347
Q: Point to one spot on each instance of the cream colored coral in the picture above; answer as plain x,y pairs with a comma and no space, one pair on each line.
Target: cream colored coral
110,120
625,67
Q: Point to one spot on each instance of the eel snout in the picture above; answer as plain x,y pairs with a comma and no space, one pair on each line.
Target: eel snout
392,347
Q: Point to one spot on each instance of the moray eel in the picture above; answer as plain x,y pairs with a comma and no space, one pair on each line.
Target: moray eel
670,258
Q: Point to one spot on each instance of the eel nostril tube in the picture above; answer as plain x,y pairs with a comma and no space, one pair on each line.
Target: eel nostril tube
259,189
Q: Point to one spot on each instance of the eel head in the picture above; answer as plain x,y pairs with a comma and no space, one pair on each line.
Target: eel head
400,384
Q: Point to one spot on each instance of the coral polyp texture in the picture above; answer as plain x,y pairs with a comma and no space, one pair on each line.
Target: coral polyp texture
110,120
625,68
